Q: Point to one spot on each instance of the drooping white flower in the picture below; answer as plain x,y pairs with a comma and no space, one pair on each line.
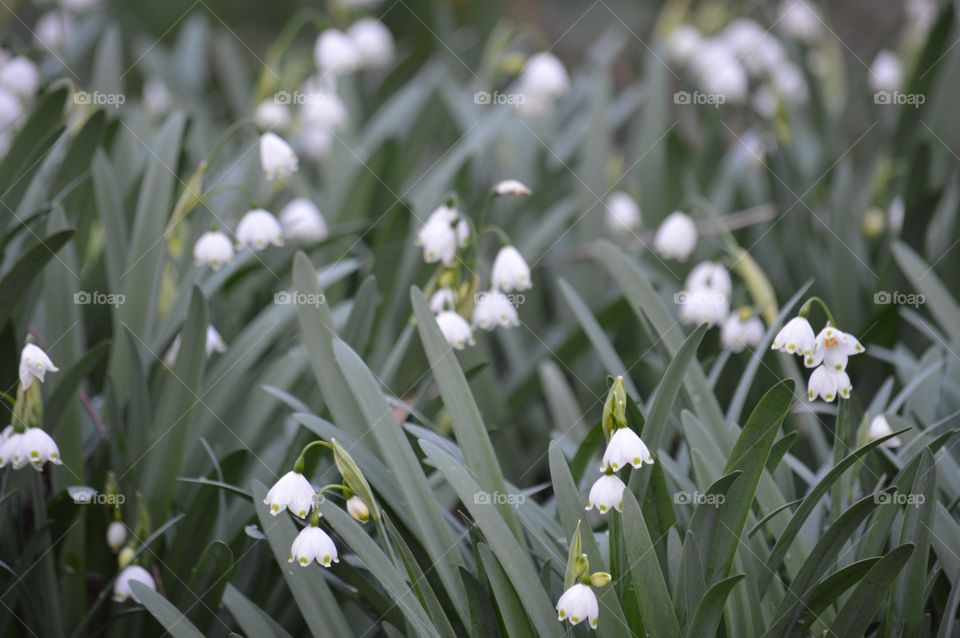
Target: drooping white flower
455,329
20,76
439,241
276,158
544,75
511,187
258,229
606,494
765,101
156,96
738,332
492,309
677,237
682,42
336,53
753,45
35,447
313,544
510,271
53,30
719,70
796,338
315,142
270,115
213,249
116,536
34,364
789,84
292,491
9,449
122,590
214,343
828,383
833,349
800,20
443,299
302,221
578,603
357,509
705,298
709,275
886,72
623,214
373,41
879,427
625,448
322,107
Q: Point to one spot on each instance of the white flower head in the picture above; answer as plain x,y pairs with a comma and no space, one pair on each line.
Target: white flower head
315,142
313,544
156,96
833,348
606,494
323,108
719,70
213,249
682,42
373,42
272,115
625,448
577,604
512,187
357,509
443,299
9,447
709,275
886,72
34,364
302,221
796,338
53,30
455,329
800,20
258,229
677,237
492,309
510,271
20,76
789,84
879,427
623,214
544,75
292,491
116,536
35,447
277,159
439,241
759,51
738,332
827,384
122,590
336,53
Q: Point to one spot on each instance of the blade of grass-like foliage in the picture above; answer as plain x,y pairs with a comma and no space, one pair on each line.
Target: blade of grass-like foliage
252,620
648,585
707,615
937,297
164,612
30,143
362,315
515,560
858,612
829,590
398,455
204,590
949,620
319,608
56,405
509,607
468,427
16,282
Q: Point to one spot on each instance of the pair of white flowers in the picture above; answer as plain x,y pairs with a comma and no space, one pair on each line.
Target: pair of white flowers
624,448
827,352
366,44
31,446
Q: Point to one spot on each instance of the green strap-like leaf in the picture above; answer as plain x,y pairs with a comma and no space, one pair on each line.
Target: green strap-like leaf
172,619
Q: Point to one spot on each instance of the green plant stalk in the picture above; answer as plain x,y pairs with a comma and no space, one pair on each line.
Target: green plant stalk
616,550
839,448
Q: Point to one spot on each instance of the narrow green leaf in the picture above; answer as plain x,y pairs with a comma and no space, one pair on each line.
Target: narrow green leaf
858,612
164,612
707,615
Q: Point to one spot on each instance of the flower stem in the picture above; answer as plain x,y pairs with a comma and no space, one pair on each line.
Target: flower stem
807,306
298,466
839,448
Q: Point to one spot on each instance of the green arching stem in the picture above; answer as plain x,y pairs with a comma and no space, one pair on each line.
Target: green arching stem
839,450
226,135
808,304
346,491
499,232
298,466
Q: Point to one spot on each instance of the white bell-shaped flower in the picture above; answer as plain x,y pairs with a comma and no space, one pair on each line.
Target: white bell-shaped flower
879,427
277,159
623,214
512,187
455,329
373,41
322,107
258,229
703,305
53,30
116,536
20,76
213,249
121,588
443,299
156,96
789,84
682,43
828,383
833,348
302,221
796,338
800,20
709,275
439,242
292,491
719,70
34,364
510,271
886,72
676,237
738,332
577,604
625,448
606,494
336,53
357,509
313,544
315,142
9,449
271,115
492,309
544,75
36,448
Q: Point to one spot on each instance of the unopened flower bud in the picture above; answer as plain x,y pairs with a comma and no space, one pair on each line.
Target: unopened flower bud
126,555
358,509
116,535
600,579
